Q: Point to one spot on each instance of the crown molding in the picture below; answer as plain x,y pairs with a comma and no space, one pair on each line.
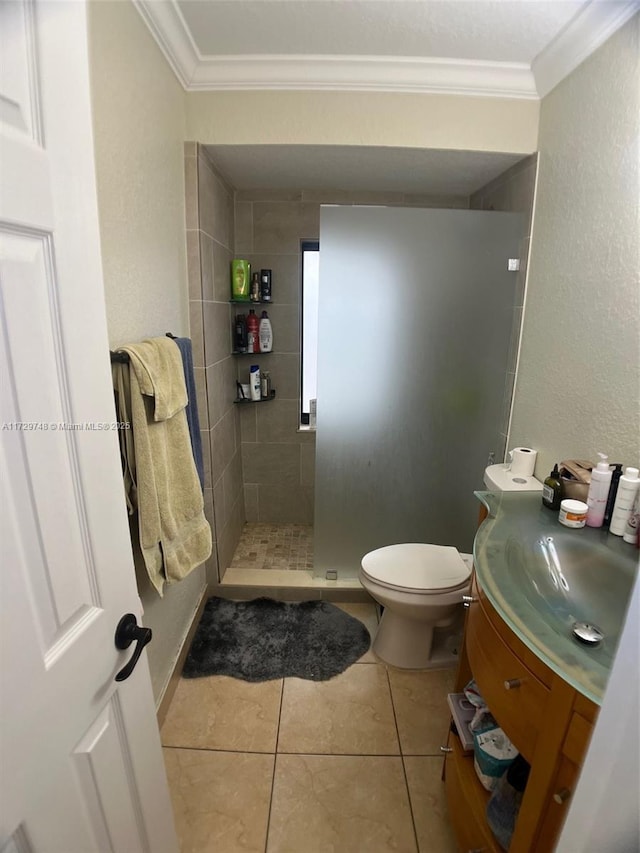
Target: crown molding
590,28
172,35
325,73
584,34
364,73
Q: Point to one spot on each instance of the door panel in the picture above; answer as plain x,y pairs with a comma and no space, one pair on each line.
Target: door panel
105,781
67,584
81,766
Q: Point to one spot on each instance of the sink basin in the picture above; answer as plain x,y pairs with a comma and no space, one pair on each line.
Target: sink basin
570,579
544,578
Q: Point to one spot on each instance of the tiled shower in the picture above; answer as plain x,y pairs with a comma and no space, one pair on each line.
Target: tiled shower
260,465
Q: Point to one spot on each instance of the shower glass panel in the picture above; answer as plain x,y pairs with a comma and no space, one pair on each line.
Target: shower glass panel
415,315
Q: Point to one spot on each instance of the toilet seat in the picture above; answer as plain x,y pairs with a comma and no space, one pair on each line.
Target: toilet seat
417,568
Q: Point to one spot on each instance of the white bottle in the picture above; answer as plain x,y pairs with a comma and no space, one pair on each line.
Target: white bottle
628,486
254,382
265,333
633,523
598,491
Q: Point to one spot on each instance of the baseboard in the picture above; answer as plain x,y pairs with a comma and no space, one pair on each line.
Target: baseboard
172,683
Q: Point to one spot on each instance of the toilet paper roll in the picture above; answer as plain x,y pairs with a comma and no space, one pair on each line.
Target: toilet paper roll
523,461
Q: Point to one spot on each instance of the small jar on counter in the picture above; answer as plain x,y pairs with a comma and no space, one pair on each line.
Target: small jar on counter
573,513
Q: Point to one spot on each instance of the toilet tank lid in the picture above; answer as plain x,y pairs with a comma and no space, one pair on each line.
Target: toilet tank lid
417,566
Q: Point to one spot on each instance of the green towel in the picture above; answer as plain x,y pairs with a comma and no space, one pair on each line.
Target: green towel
175,536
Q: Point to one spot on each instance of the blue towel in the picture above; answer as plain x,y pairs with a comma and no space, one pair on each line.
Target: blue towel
184,345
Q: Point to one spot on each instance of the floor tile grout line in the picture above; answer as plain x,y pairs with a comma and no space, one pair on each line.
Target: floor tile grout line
217,749
346,754
404,769
304,752
273,776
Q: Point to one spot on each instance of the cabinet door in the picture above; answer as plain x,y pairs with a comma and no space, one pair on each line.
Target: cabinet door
466,803
517,699
557,805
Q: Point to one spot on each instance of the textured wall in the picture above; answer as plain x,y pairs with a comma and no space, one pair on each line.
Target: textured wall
138,111
512,191
578,386
363,118
139,123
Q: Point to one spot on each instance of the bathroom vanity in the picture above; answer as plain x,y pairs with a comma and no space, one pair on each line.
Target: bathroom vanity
533,580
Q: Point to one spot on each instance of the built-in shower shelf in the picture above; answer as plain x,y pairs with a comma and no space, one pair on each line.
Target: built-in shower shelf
244,402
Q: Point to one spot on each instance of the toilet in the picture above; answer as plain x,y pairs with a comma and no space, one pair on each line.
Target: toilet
421,588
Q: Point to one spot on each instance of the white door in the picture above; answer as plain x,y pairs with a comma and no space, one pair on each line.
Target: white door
81,765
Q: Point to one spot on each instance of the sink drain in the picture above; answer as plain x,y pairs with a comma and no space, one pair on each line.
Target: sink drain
587,633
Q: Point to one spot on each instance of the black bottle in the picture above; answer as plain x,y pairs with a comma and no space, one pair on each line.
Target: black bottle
552,490
240,334
613,491
265,285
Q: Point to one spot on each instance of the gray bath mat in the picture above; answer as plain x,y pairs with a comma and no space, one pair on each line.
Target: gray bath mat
264,639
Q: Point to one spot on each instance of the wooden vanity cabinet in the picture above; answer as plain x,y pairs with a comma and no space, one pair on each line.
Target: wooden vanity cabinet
546,719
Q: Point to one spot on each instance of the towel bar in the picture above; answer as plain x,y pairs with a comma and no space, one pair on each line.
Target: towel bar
123,357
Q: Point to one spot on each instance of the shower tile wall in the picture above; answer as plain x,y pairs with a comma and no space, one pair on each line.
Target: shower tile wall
210,238
512,191
256,459
279,461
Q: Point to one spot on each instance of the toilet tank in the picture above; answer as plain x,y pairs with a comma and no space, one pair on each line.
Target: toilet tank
498,478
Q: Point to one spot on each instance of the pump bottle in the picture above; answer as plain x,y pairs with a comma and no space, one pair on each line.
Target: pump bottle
598,492
613,491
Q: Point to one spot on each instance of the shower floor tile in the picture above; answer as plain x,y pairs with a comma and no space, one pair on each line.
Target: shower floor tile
283,547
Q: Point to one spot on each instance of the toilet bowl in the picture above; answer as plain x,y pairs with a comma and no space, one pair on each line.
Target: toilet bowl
421,588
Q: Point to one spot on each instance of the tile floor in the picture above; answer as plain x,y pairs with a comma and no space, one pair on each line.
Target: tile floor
275,546
350,765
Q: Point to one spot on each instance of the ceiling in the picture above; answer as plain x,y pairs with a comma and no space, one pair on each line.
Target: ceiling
467,29
503,48
358,168
498,48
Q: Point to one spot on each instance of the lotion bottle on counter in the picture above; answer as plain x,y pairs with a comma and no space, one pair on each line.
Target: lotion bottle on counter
598,492
632,532
613,493
627,490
